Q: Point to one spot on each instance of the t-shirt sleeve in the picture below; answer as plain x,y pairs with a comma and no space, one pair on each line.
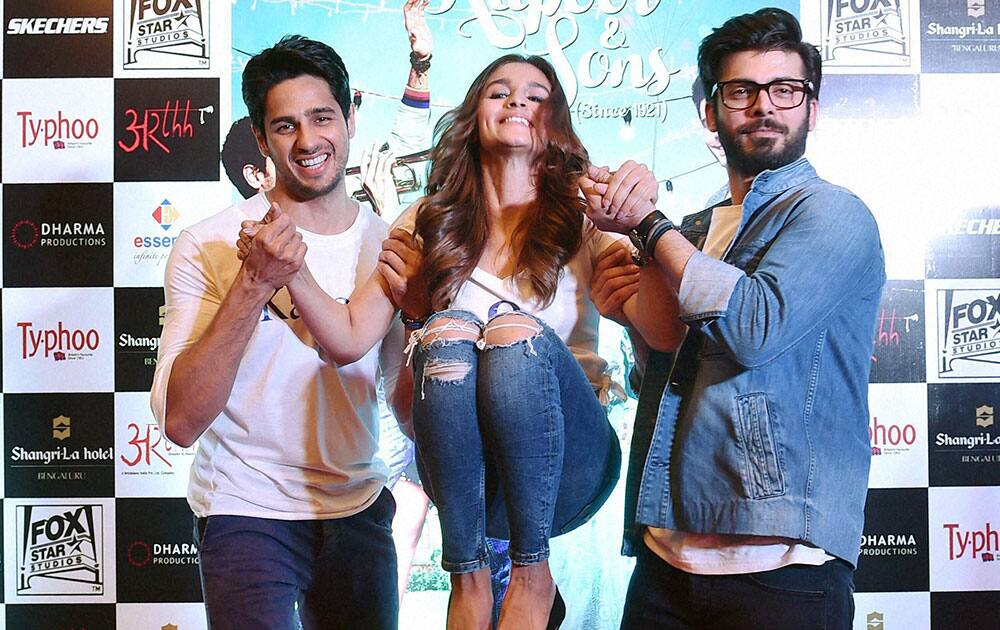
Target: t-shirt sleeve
407,220
192,299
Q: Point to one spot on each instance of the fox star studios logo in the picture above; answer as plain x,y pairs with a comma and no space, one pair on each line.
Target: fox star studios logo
60,550
968,333
167,34
873,30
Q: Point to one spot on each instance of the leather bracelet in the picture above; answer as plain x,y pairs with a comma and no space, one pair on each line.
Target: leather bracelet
411,323
420,65
645,235
659,229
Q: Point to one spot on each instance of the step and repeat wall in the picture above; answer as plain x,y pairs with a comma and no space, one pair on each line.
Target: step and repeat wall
114,118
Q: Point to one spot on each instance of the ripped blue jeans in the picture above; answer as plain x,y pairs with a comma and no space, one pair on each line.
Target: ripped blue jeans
511,440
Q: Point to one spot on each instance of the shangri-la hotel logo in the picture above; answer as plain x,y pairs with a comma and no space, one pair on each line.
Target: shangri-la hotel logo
984,416
875,620
60,427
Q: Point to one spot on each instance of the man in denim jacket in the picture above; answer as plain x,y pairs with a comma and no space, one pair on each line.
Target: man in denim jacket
750,505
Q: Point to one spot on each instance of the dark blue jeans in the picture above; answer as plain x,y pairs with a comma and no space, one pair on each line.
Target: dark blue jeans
511,441
268,574
794,596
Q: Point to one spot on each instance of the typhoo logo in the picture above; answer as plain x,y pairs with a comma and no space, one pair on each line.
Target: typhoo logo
167,33
61,343
60,549
867,27
982,544
62,132
891,438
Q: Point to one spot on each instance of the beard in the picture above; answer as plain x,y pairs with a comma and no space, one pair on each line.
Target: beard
763,155
302,191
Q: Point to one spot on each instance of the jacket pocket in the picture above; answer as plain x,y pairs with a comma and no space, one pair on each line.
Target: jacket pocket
758,446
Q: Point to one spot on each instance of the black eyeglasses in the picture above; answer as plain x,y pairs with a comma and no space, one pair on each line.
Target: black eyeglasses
784,93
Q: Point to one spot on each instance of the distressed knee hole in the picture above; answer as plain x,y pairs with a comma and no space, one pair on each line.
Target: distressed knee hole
449,329
510,328
447,371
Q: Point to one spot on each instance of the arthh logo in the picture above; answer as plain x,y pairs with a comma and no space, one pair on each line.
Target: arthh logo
58,26
61,132
875,620
981,545
59,550
163,126
61,427
150,454
26,234
969,333
142,554
976,8
59,343
872,28
984,416
891,438
154,248
898,544
167,34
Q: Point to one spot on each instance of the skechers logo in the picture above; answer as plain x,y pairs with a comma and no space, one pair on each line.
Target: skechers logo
58,26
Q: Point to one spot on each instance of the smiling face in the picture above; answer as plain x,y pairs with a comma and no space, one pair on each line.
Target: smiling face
762,136
511,113
306,136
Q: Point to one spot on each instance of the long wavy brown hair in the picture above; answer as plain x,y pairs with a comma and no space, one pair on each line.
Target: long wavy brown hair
452,220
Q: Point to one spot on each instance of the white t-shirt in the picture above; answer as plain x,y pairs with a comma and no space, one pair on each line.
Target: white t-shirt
727,554
297,437
572,315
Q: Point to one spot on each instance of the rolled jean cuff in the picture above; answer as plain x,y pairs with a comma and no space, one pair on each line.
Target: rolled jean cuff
469,566
529,558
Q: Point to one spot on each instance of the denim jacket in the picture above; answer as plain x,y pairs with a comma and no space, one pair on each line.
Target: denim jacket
762,427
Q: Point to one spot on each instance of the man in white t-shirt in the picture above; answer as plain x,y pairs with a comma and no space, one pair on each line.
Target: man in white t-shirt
292,519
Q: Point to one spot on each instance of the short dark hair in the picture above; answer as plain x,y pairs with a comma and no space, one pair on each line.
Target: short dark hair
293,56
763,30
697,93
240,149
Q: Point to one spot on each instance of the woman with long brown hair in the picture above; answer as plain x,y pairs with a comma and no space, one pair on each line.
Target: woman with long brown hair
512,439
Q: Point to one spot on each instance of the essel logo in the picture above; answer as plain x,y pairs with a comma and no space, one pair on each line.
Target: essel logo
69,131
58,26
61,343
982,543
154,248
